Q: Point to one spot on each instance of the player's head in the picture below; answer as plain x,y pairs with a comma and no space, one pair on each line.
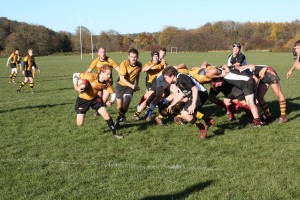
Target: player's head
105,72
236,47
154,55
133,56
102,53
162,52
296,49
217,82
170,74
30,51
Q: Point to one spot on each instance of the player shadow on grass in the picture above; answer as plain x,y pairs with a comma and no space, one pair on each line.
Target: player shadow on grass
182,194
35,106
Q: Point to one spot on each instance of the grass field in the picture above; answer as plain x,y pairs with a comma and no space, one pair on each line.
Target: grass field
44,155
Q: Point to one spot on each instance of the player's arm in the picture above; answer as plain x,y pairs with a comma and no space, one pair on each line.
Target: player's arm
148,66
114,64
91,67
136,83
36,67
8,61
89,70
296,65
191,108
117,68
243,67
179,97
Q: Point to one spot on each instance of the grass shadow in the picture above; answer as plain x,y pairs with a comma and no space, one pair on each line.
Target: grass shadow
34,107
182,194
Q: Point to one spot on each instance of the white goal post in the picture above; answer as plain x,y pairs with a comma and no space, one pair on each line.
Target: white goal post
173,50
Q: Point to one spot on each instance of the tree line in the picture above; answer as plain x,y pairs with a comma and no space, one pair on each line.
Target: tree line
217,36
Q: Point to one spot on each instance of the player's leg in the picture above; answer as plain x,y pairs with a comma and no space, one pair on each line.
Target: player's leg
260,93
103,112
23,84
14,72
31,83
282,102
80,119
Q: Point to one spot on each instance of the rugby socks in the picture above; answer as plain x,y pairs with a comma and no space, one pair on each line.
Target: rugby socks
11,77
121,113
31,86
248,112
22,85
282,105
14,77
230,111
266,110
111,126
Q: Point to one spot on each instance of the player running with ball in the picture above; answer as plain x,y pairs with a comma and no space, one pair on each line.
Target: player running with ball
88,86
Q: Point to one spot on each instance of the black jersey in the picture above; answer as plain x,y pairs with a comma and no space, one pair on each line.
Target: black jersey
185,84
240,58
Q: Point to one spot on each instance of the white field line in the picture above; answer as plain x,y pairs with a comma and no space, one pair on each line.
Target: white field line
108,165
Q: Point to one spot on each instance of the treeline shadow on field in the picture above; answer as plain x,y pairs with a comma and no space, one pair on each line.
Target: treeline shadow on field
34,107
182,194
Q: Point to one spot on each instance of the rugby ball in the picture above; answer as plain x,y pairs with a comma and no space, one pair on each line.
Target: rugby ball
82,84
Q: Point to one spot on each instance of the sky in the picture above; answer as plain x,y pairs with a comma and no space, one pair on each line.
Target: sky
136,16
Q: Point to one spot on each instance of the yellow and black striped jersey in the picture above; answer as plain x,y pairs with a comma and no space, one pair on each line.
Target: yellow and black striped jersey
94,86
14,58
154,71
97,63
199,74
29,61
129,72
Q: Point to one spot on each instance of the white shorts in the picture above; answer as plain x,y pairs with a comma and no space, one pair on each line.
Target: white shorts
14,70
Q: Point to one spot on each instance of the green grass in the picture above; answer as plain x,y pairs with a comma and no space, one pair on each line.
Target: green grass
44,155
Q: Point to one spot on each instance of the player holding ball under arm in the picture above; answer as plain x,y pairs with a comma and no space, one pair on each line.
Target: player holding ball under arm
88,95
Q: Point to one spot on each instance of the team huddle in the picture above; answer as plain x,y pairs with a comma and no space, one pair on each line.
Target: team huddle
177,91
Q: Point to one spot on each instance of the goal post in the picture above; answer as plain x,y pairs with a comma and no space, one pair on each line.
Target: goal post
173,50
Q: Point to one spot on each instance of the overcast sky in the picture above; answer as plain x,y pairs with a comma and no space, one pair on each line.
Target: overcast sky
135,16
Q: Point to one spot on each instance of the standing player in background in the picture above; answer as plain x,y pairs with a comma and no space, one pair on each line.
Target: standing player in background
128,83
13,60
28,63
296,64
88,95
97,64
237,58
153,69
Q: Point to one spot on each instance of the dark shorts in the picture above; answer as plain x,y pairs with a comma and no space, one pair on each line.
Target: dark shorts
121,90
149,86
13,65
202,98
28,73
270,77
83,105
